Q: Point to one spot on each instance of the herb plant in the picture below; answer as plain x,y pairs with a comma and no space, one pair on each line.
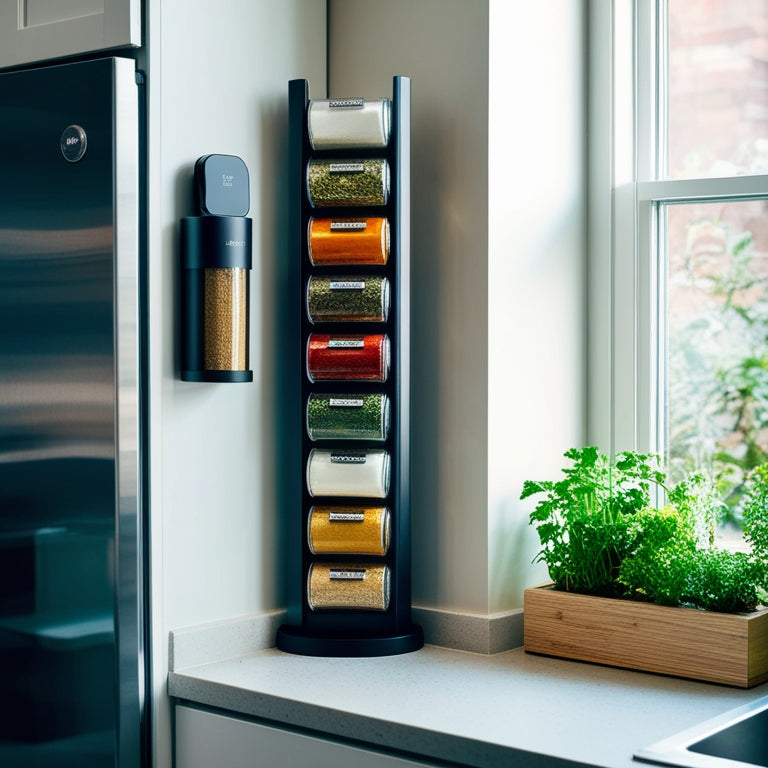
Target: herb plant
756,512
584,520
712,579
657,567
601,535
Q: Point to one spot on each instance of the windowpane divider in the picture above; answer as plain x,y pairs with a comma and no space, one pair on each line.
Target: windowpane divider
703,190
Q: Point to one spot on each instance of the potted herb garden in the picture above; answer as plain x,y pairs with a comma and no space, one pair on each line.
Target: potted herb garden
638,580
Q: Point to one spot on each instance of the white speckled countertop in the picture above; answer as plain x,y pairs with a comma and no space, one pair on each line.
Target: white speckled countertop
471,709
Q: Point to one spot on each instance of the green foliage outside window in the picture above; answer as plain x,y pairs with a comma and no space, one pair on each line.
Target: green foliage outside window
718,366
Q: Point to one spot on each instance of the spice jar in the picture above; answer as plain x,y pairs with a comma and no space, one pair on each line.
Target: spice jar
348,473
351,122
348,586
347,182
348,530
348,241
348,417
348,357
343,299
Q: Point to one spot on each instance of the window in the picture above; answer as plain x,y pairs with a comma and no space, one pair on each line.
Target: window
678,276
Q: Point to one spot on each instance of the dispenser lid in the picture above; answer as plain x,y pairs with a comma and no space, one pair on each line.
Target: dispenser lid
222,186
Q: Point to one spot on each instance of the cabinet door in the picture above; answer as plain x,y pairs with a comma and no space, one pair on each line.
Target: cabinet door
37,30
205,739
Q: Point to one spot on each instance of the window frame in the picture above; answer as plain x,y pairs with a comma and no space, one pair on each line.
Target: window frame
626,226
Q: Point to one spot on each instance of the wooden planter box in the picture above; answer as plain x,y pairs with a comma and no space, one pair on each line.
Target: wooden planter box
715,647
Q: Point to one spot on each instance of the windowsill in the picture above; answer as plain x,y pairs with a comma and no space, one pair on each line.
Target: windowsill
456,706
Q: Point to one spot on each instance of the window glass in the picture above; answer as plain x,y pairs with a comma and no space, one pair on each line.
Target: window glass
717,104
717,339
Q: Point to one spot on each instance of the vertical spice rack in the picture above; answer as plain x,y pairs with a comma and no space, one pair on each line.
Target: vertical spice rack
362,617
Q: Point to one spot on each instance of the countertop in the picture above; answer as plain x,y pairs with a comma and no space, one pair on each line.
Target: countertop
485,711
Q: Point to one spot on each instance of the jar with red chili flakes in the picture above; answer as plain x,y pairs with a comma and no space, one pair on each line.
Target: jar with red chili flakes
348,357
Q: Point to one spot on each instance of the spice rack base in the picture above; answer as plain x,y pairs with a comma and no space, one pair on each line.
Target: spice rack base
295,640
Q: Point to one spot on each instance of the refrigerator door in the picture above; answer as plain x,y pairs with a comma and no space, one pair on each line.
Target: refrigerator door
71,656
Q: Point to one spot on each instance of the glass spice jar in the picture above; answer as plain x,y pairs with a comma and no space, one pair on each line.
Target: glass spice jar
348,530
348,416
348,357
347,299
348,473
350,122
347,182
352,586
348,241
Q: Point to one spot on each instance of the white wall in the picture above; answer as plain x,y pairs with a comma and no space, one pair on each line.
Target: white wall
442,45
536,270
218,83
497,267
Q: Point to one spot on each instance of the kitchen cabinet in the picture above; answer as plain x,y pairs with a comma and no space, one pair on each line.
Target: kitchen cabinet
206,738
38,30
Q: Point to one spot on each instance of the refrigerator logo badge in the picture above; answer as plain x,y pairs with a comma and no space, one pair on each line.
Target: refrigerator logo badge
73,143
226,180
235,243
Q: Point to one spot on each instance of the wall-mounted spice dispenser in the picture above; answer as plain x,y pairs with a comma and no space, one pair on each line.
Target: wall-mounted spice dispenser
215,282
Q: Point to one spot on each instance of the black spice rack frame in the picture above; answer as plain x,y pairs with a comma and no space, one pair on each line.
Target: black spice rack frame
355,632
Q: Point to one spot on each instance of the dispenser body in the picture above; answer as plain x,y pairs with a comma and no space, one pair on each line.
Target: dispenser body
215,288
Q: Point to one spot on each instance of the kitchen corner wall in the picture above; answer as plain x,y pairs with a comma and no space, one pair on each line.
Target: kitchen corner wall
498,316
498,285
218,83
536,270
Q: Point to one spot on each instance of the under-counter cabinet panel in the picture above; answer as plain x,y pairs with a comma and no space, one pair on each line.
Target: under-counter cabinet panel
205,739
39,30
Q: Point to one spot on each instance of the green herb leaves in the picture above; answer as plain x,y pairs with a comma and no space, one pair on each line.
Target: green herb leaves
584,521
600,534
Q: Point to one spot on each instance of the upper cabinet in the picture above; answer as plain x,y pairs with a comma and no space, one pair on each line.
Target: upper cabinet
38,30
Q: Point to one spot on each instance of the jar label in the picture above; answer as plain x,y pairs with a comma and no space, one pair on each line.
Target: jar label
347,285
346,167
348,458
346,343
346,517
345,103
346,575
345,402
348,226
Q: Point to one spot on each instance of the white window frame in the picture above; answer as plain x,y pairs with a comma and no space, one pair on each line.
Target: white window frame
625,314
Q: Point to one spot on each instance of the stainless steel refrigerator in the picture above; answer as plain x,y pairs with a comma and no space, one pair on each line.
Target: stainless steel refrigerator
71,535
